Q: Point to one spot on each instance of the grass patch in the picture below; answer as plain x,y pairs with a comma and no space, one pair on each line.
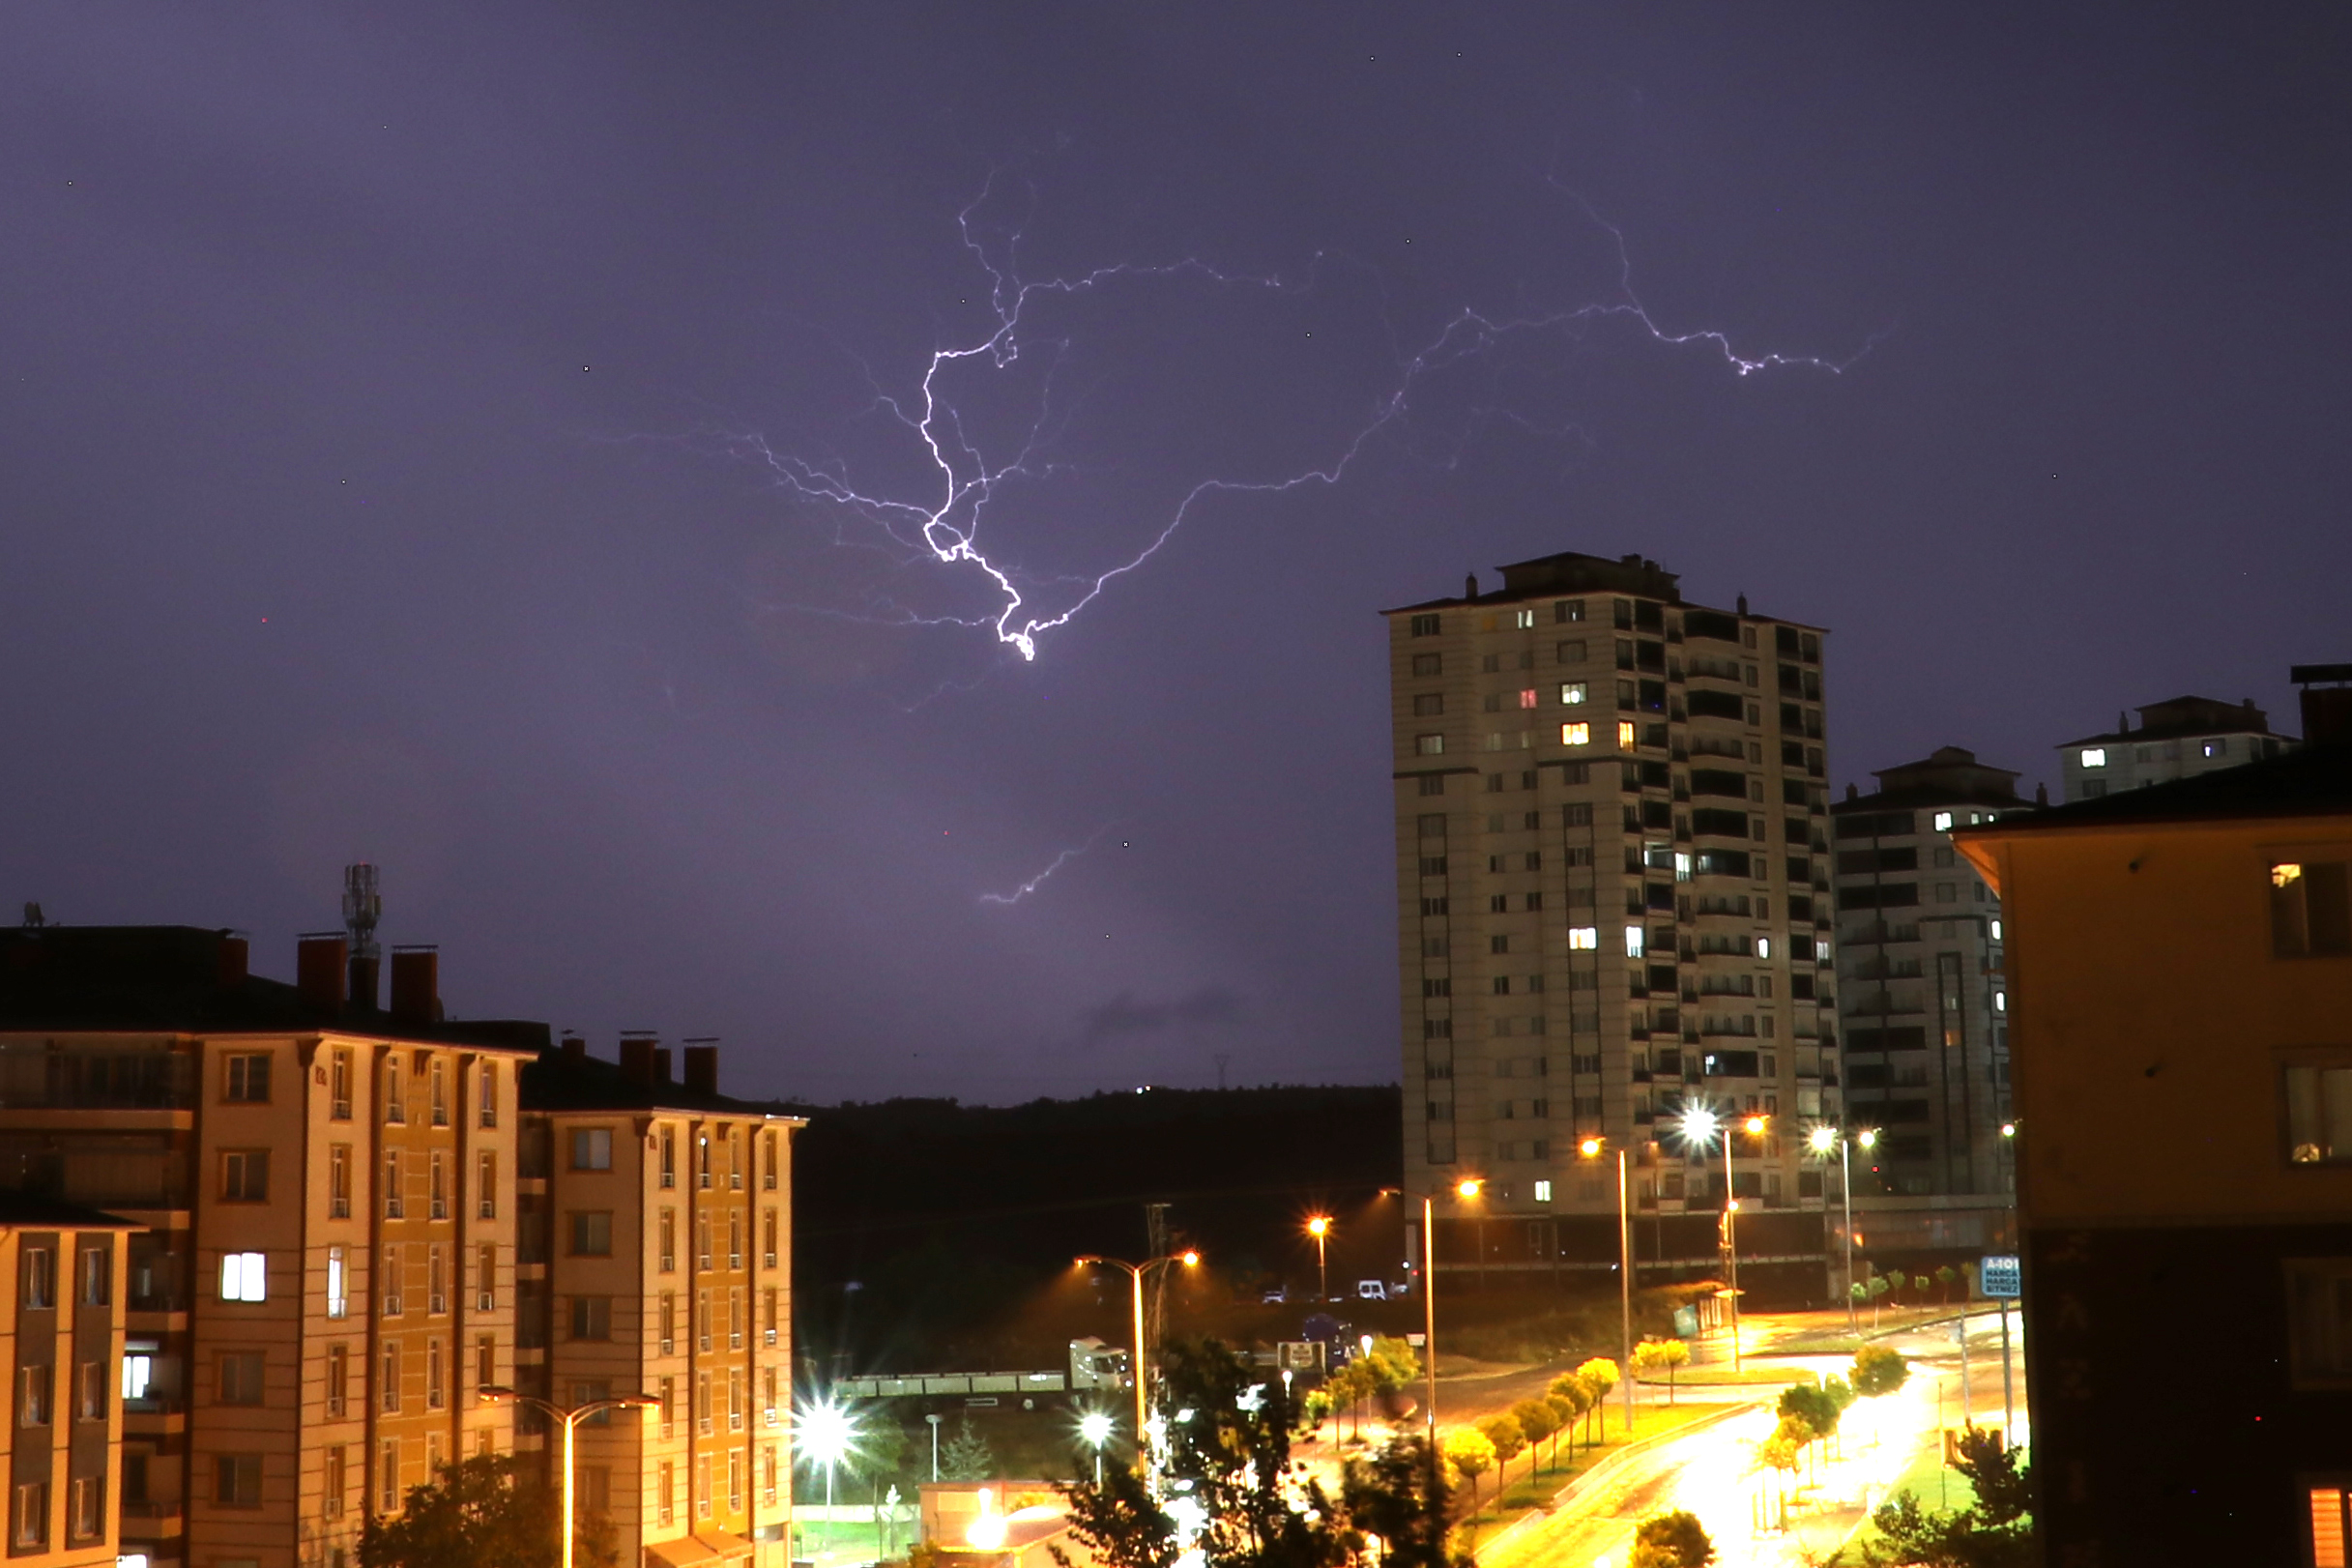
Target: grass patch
1530,1487
1939,1489
1716,1376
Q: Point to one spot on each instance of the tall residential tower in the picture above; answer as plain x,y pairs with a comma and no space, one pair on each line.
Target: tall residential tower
1612,897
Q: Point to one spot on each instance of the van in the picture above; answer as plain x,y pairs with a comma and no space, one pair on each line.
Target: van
1370,1290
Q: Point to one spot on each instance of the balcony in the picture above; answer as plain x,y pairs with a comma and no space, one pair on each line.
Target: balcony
46,1077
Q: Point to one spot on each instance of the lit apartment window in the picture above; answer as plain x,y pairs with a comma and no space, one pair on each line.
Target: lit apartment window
1944,823
247,1079
139,1370
339,1284
592,1148
1527,697
1429,745
2330,1524
244,1276
2094,755
1576,735
1573,693
1543,1192
1585,938
1625,734
2311,909
1635,942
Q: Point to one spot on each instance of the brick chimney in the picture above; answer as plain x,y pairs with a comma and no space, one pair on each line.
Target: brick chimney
233,959
702,1068
2327,703
637,1060
416,984
575,1050
320,961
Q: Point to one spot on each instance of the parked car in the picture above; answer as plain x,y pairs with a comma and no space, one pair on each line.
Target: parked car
1276,1295
1370,1290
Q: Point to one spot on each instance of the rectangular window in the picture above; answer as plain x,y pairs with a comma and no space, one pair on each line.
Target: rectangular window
391,1282
86,1512
592,1233
435,1396
338,1282
40,1273
2319,1329
768,1474
90,1397
669,1157
244,1276
2094,755
485,1186
669,1241
768,1314
339,1373
767,1170
395,1110
339,1085
665,1491
33,1514
485,1362
592,1316
437,1186
240,1381
436,1281
389,1391
735,1317
1625,734
394,1207
337,1482
669,1404
97,1261
1429,745
735,1238
734,1399
488,1080
1576,735
236,1480
247,1080
245,1176
702,1319
592,1148
338,1181
701,1242
1636,942
1584,937
767,1238
2330,1526
1424,626
2311,909
669,1321
1429,704
768,1412
485,1278
387,1494
36,1393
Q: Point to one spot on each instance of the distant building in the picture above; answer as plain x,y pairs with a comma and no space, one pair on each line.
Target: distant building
2178,738
1920,985
2181,963
1612,899
61,1330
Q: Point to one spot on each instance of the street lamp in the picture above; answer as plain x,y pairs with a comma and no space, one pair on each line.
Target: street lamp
494,1394
1467,1189
1592,1148
1319,1228
1821,1140
1135,1278
825,1433
1095,1427
1700,1126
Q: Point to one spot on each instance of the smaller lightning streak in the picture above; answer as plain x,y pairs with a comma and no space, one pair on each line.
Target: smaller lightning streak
1038,881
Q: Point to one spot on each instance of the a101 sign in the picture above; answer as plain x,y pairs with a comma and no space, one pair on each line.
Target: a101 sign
1999,1278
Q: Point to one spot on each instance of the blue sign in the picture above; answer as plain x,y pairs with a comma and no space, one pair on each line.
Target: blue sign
1999,1278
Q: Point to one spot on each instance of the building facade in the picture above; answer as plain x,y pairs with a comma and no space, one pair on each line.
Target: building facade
1922,993
1612,899
2181,961
656,1248
61,1333
2179,738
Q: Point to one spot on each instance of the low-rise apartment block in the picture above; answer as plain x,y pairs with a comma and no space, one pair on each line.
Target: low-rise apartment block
60,1335
2179,738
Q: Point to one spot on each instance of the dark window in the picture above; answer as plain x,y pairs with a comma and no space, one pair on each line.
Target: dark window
1712,623
1709,820
2318,1114
1649,614
249,1079
1651,694
592,1148
1656,814
236,1480
1425,626
592,1233
1649,656
1715,781
1656,777
245,1176
1721,863
2310,910
1433,783
592,1316
1426,664
1730,1064
1784,640
1705,703
1793,682
240,1378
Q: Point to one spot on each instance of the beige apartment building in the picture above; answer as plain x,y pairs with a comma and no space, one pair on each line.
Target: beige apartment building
61,1332
1612,896
656,1248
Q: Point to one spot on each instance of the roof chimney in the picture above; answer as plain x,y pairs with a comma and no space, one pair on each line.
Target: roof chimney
1743,604
702,1067
2041,794
2327,703
1469,586
1853,791
575,1050
416,984
319,960
232,957
637,1058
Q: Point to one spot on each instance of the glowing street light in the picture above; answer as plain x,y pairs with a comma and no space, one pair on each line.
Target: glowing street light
494,1394
1467,1190
1319,1228
1135,1278
1700,1126
1590,1148
828,1434
1094,1429
1821,1140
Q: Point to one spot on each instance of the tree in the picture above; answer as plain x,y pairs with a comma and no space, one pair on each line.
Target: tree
1536,1418
1878,1371
1652,1353
1510,1441
1947,1276
1997,1532
1229,1450
1401,1498
966,1456
1878,1287
1675,1540
1470,1453
491,1509
1572,1397
1600,1374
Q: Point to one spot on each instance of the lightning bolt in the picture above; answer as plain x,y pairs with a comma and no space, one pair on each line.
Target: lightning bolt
944,523
1038,881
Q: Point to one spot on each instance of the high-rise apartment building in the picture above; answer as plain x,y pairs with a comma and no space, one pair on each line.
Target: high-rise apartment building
2178,738
656,1248
1613,898
1923,996
324,1202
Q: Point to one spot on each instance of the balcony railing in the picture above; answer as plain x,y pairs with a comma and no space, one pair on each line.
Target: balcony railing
46,1077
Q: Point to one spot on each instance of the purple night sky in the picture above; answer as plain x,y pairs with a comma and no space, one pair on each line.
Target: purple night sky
387,397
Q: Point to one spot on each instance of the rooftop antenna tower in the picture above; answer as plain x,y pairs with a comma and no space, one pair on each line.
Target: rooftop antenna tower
362,906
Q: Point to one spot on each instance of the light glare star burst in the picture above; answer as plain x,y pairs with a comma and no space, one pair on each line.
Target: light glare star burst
945,523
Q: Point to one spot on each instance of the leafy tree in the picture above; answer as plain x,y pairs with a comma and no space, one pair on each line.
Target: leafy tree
1572,1397
1510,1441
1817,1408
1401,1498
1536,1418
967,1456
1232,1452
1652,1353
491,1509
1600,1374
879,1456
1878,1371
1997,1532
1878,1286
1947,1276
1470,1453
1675,1540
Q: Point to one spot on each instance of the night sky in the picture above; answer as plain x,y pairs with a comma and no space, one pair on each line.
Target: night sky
398,406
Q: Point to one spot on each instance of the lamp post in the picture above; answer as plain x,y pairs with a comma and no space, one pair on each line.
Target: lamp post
1095,1427
1135,1279
1319,1228
494,1394
1590,1148
1467,1189
1700,1128
825,1432
1821,1140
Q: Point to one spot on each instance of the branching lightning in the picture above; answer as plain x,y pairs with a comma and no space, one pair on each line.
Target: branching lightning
1038,881
944,524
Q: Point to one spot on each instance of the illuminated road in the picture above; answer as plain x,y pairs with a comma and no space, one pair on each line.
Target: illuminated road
1713,1474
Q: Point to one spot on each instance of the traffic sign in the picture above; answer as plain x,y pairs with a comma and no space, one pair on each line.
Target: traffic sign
1999,1278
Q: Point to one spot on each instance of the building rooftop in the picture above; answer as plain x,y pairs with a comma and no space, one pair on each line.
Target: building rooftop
2313,782
1572,571
2178,717
188,980
1949,775
567,1078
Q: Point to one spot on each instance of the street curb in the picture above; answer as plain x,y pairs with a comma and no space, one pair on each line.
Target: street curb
1608,1466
